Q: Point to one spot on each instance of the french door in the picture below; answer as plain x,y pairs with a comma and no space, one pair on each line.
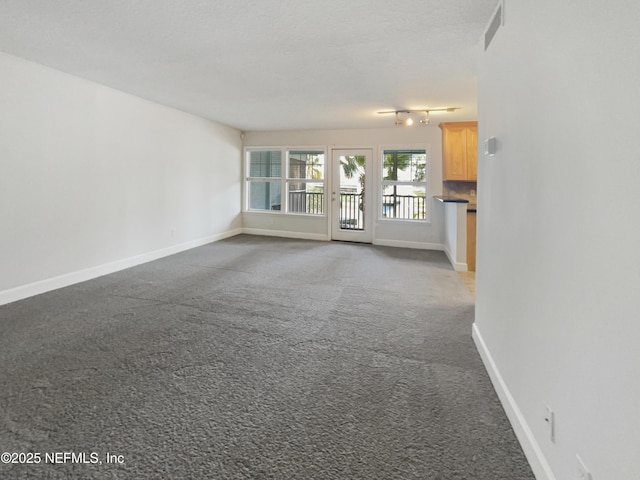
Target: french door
352,195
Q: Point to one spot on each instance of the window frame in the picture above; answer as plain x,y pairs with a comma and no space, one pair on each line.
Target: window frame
248,179
290,180
284,179
384,149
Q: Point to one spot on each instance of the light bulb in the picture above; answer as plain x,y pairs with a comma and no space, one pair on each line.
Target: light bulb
409,122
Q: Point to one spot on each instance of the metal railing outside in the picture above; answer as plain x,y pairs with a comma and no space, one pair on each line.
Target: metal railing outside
351,211
306,202
404,207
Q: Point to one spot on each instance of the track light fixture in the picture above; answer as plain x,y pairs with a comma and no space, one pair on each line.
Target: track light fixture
404,118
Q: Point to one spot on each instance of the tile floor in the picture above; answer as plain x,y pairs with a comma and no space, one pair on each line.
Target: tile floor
469,279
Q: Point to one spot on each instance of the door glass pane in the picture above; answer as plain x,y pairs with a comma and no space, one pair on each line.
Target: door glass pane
352,176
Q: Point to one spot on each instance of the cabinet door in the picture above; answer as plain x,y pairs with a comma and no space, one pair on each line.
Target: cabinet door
472,153
454,152
471,241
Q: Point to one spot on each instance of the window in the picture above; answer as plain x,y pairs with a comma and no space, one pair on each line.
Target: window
305,182
404,184
298,189
264,180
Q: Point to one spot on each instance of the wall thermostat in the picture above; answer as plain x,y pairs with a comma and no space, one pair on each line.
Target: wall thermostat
490,146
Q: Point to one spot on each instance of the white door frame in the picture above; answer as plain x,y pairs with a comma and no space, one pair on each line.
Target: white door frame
336,232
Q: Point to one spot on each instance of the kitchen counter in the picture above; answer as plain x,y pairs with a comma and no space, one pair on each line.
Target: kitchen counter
459,226
471,207
451,199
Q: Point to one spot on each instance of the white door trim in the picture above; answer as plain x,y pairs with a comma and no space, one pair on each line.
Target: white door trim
336,232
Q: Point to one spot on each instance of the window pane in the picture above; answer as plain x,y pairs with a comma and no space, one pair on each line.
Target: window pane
406,202
306,198
308,165
265,163
264,195
404,165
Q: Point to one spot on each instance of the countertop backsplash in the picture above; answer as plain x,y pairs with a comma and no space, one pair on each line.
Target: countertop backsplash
465,190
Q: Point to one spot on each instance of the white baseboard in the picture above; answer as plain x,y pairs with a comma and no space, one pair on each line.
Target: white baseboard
457,266
530,446
286,234
323,237
407,244
60,281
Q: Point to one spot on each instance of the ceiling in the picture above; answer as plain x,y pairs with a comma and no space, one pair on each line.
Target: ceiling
264,64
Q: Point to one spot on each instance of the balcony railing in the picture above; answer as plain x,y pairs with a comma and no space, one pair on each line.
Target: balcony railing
404,207
306,202
351,211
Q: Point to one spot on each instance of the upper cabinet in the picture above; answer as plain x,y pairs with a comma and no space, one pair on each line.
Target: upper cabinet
459,151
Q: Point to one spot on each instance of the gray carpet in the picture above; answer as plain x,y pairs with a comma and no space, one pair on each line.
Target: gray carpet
255,358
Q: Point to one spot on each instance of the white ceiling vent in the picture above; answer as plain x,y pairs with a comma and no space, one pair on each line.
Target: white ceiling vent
496,22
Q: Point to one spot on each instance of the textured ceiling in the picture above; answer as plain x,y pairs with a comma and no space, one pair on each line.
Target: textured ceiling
264,64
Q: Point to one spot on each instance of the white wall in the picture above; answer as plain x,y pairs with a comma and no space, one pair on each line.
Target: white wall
558,265
455,234
93,179
418,235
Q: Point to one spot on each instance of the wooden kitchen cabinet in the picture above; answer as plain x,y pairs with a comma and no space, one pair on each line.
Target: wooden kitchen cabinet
459,151
471,241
